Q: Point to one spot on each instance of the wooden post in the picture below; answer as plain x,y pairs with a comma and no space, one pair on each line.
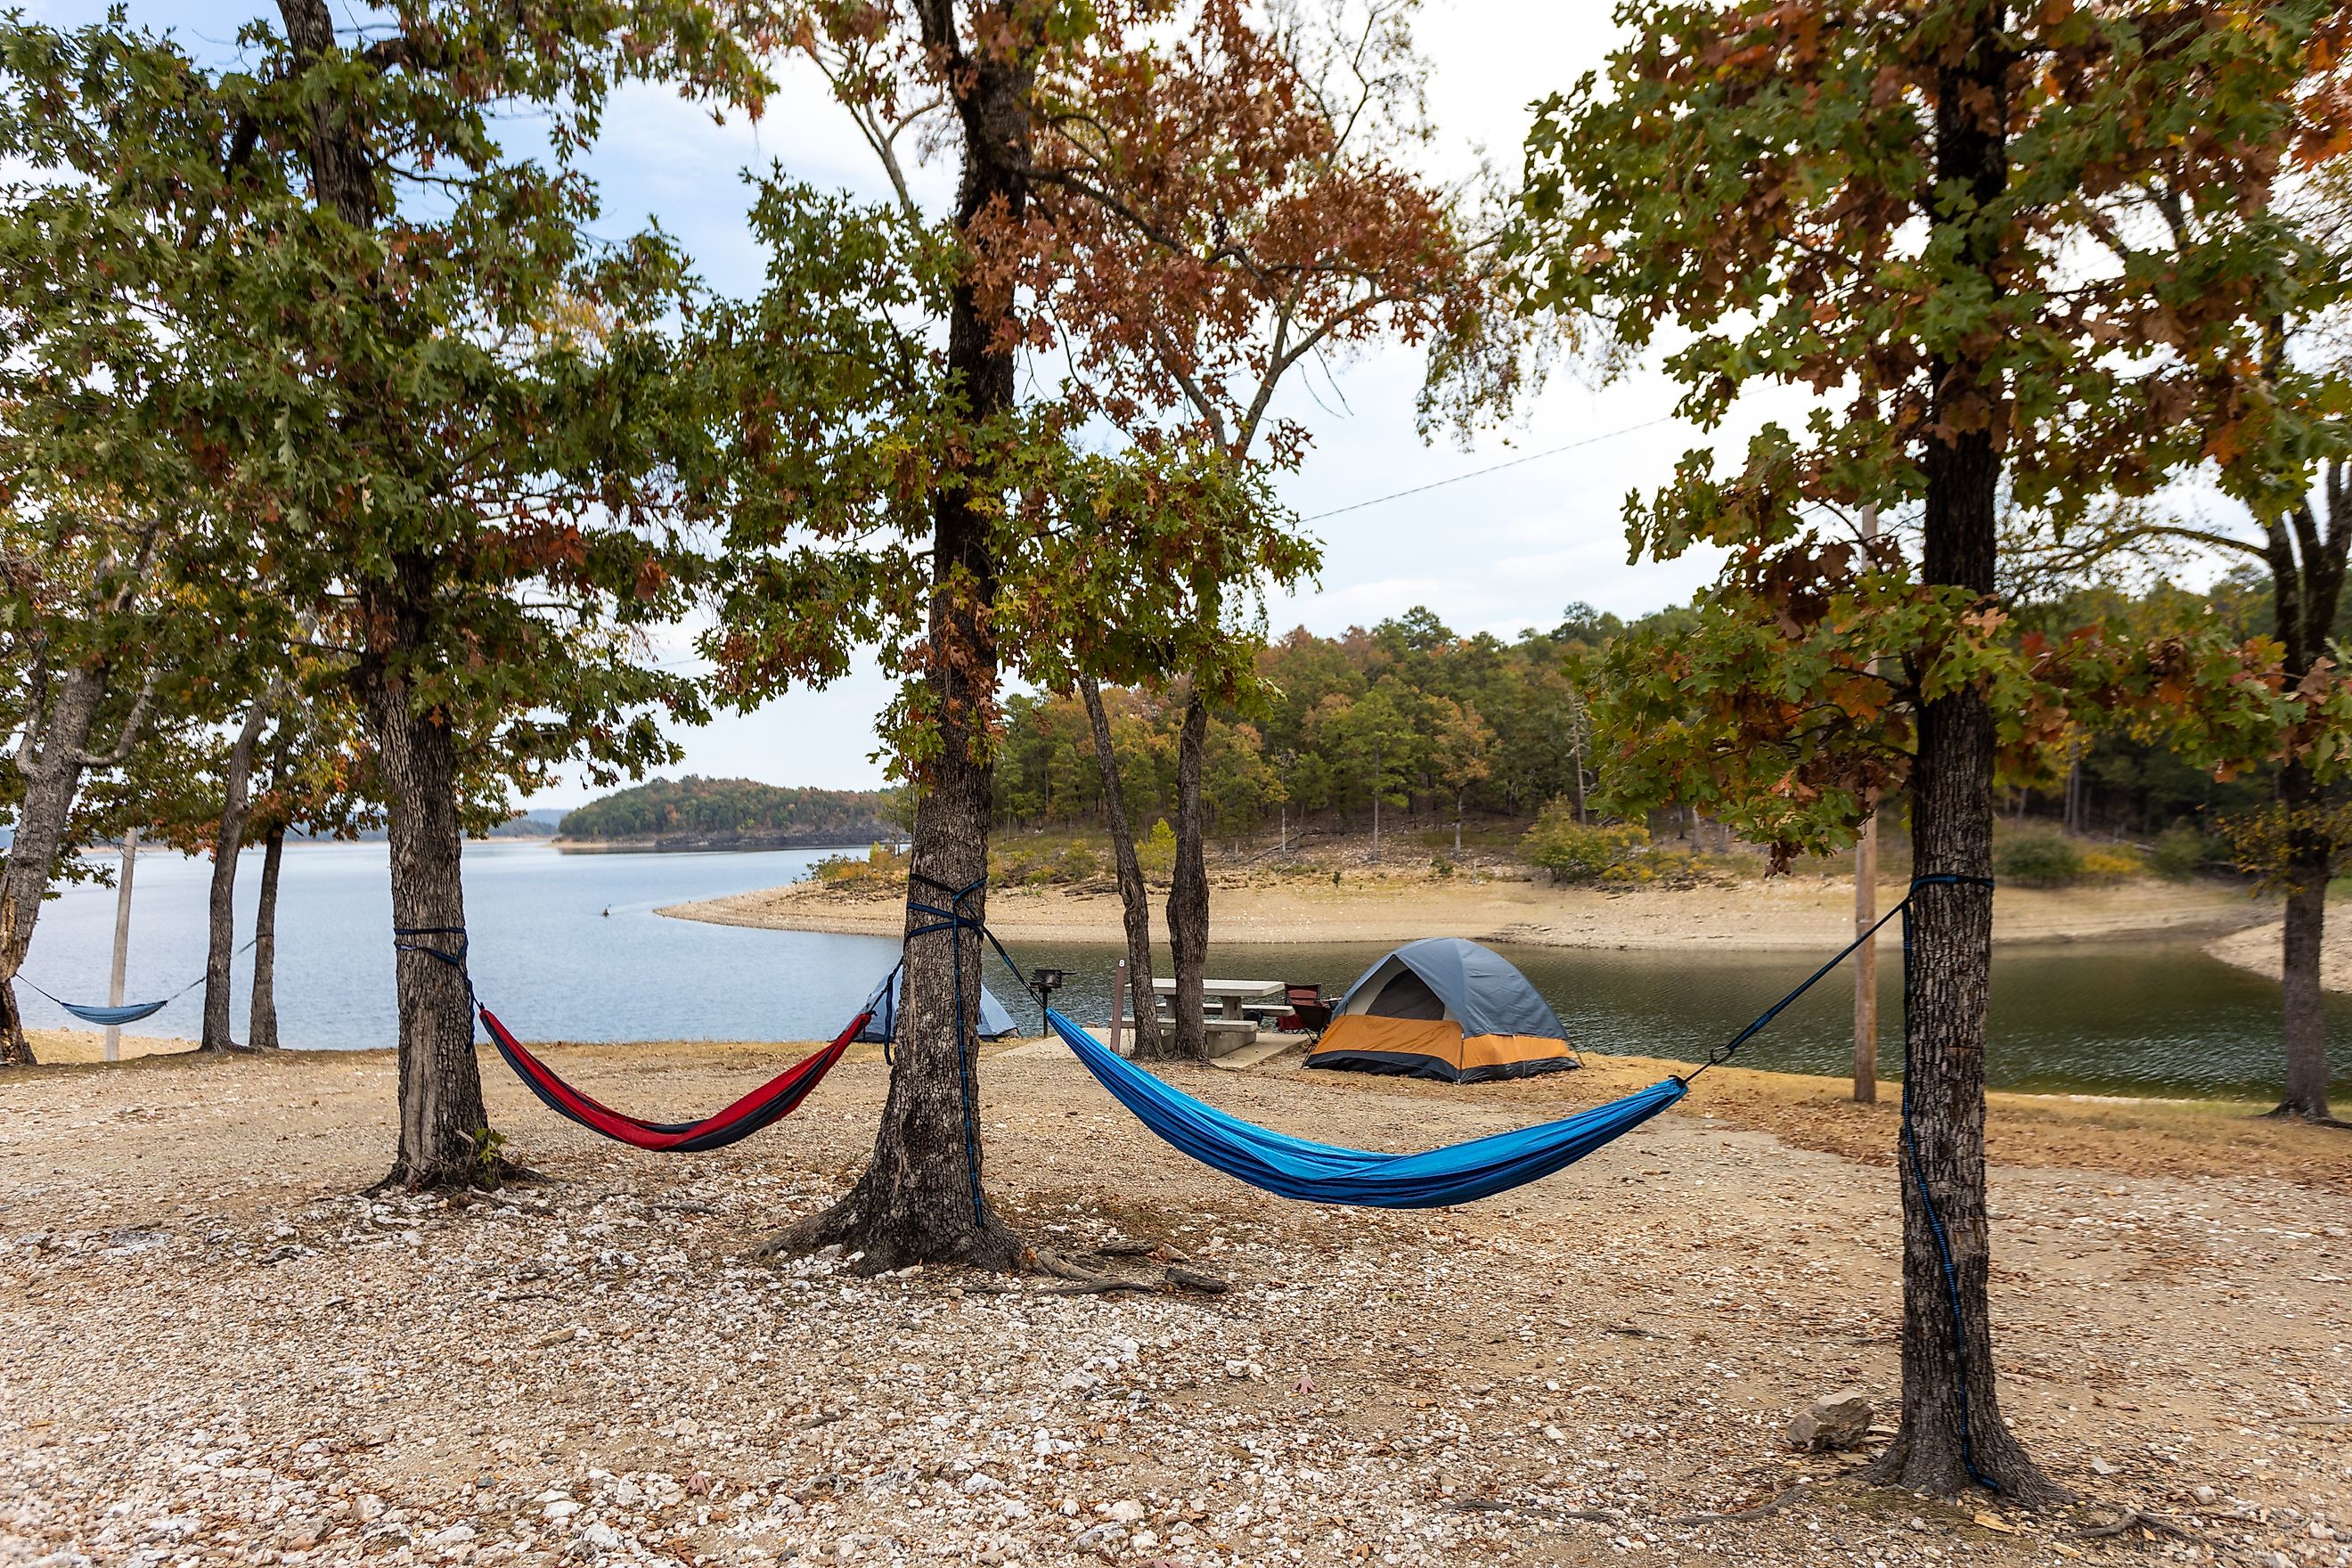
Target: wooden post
1866,915
122,942
1118,1005
1865,964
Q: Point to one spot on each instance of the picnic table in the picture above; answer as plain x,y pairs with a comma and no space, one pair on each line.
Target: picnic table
1234,1006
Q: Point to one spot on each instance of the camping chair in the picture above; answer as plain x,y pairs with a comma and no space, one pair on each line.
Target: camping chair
1308,1012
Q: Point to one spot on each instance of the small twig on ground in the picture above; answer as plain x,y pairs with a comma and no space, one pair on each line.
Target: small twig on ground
1768,1507
1490,1505
1100,1286
1629,1332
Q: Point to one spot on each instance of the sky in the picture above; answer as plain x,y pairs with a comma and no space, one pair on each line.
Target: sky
1500,551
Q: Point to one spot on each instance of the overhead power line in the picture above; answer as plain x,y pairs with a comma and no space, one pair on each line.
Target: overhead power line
1491,468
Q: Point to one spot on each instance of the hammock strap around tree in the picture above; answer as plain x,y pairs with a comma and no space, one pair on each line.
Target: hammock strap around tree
762,1107
955,920
1917,1171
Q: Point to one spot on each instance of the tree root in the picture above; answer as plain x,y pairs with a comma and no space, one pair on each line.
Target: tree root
2291,1112
2017,1479
882,1243
2135,1519
1764,1510
469,1178
1087,1282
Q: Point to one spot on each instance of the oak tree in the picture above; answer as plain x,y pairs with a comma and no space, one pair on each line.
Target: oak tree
1889,207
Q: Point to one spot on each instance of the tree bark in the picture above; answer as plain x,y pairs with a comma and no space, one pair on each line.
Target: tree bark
1134,899
444,1128
52,767
220,947
1952,1432
261,1031
2308,563
923,1198
1188,891
2310,859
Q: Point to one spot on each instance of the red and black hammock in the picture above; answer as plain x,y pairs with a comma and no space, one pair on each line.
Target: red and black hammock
763,1107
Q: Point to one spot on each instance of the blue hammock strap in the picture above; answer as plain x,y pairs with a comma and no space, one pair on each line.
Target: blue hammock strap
955,920
1917,1170
456,960
1723,1052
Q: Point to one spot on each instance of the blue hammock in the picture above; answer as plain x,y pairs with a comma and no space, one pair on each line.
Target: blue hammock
129,1012
110,1017
1324,1174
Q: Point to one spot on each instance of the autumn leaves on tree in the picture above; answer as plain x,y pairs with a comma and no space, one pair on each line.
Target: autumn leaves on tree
1904,211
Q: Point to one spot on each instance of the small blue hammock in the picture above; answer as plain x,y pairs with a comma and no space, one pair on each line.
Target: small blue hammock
129,1012
110,1017
1326,1173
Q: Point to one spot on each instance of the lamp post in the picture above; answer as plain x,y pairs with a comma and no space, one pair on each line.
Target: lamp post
1043,984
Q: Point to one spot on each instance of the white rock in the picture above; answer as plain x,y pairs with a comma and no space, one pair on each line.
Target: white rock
456,1535
1127,1511
602,1537
563,1508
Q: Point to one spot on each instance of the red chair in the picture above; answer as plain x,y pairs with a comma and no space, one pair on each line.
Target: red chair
1308,1014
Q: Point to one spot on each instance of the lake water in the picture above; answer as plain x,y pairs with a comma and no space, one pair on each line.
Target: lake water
2114,1017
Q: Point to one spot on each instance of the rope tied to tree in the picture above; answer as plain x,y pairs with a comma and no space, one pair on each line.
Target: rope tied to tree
955,919
456,960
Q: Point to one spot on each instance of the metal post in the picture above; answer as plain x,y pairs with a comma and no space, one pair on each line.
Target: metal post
1118,1005
1866,915
122,942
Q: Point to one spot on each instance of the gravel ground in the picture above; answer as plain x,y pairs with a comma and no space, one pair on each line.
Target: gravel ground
213,1352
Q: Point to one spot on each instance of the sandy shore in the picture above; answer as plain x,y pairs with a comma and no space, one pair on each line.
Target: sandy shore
2257,948
1781,912
215,1351
53,1045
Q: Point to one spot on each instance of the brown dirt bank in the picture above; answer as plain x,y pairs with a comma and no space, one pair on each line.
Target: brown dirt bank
1809,912
214,1351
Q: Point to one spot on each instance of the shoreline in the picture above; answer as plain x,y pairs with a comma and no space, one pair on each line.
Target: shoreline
1814,912
2256,949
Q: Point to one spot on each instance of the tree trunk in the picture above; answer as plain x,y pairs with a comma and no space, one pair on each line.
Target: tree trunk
1457,824
52,770
261,1032
1134,899
922,1199
1952,1431
220,948
2307,565
2310,859
1188,891
445,1128
1376,802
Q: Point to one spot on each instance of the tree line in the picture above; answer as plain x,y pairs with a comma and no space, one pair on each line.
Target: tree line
1407,715
729,808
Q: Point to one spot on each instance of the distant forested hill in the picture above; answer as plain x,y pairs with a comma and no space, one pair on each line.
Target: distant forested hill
707,813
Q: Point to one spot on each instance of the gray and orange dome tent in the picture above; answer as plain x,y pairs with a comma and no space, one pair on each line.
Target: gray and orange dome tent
1444,1008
